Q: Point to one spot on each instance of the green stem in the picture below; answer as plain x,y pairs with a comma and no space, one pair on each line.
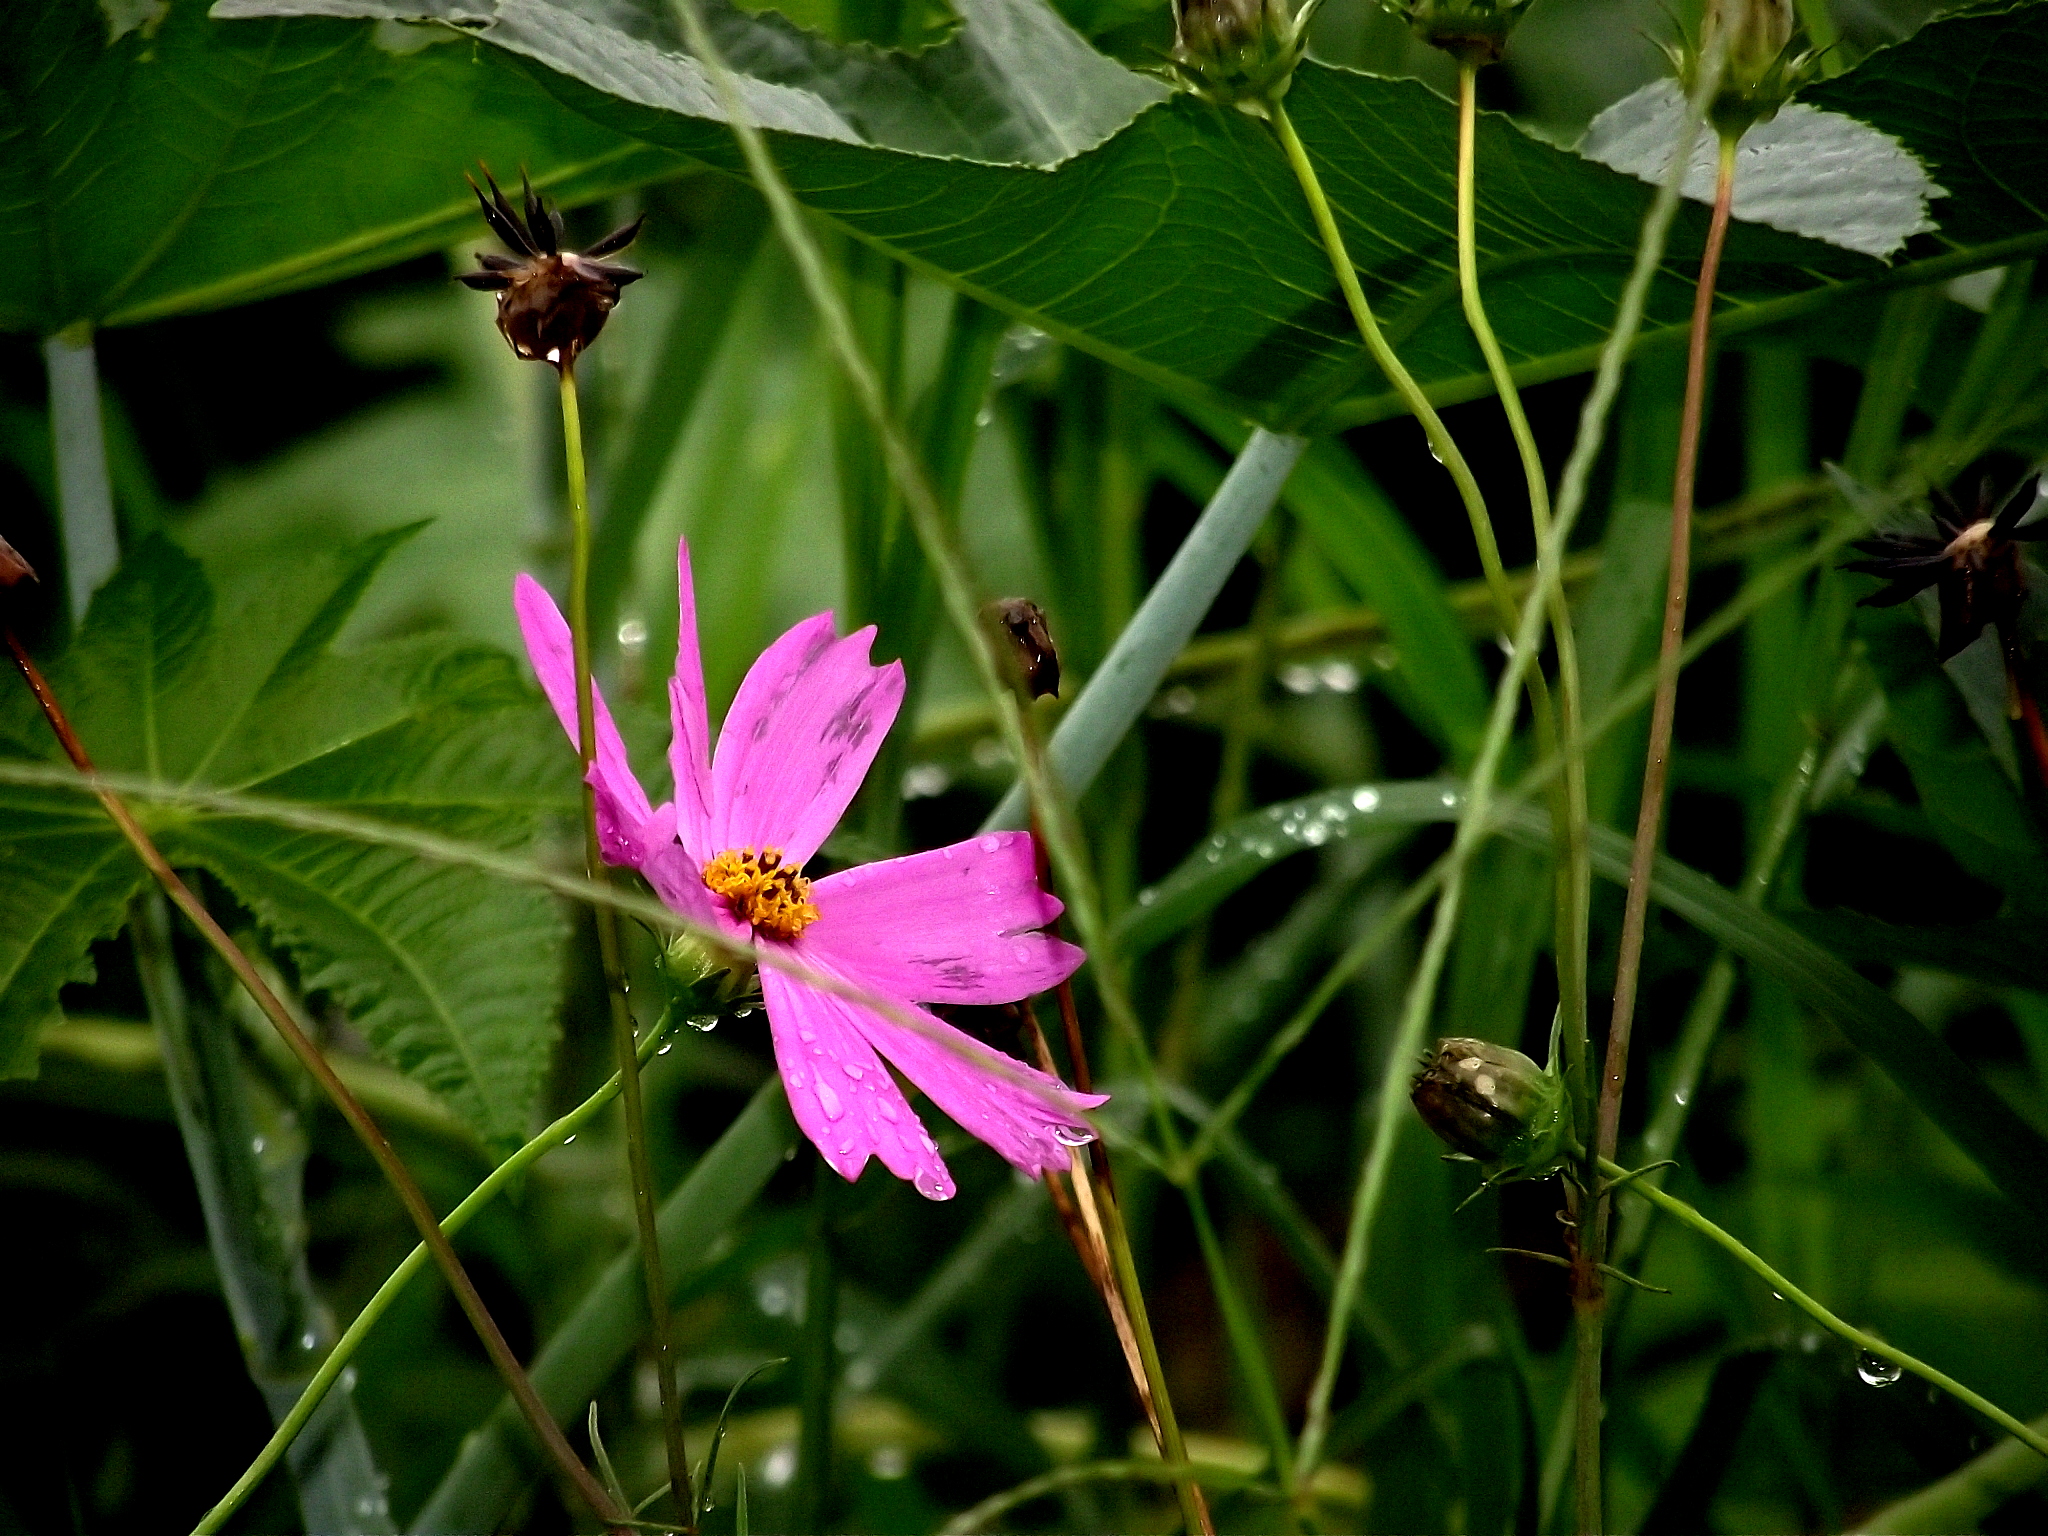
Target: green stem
1473,823
1867,1343
957,589
561,1131
1243,1332
819,1356
1575,872
639,1167
1441,443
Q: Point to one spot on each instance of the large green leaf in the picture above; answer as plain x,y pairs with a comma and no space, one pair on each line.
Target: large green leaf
1927,1071
1180,247
184,165
451,976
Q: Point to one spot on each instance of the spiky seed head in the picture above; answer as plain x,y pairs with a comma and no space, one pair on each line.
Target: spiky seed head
551,302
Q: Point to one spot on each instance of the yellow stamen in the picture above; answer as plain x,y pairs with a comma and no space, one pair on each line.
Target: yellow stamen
773,899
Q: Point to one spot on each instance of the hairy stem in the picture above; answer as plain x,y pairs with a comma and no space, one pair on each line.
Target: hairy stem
379,1146
561,1131
1869,1344
639,1167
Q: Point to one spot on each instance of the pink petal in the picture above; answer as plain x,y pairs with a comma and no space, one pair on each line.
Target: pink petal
799,738
956,925
842,1096
628,829
996,1098
689,748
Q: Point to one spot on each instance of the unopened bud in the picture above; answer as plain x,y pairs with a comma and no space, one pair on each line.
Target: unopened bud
1763,65
1239,53
703,978
1493,1105
1028,642
1470,31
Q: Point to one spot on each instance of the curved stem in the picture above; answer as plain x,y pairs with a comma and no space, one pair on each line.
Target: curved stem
639,1168
560,1132
1672,1206
1440,440
372,1136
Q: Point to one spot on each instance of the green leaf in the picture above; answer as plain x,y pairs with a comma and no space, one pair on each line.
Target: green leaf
1180,247
451,975
186,165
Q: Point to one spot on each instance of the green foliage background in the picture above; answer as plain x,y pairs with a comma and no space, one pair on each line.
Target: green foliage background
327,469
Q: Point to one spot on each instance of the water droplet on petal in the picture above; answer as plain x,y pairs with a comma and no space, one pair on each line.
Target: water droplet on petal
829,1102
932,1185
991,845
855,1070
1072,1135
1877,1371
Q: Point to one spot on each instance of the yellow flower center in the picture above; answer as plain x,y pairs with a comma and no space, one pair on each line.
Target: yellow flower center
772,898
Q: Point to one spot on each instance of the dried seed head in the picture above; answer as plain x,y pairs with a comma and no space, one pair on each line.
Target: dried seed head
1022,624
1973,564
1493,1105
551,302
14,569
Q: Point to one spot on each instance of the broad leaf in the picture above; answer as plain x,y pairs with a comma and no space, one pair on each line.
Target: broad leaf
184,165
1181,249
452,976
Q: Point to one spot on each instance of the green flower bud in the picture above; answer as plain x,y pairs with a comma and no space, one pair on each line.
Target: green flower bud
703,979
1236,53
1493,1105
1766,62
1470,31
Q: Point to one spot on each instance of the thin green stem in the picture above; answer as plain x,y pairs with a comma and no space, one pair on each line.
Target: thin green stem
819,1357
310,1056
1575,859
1472,825
639,1167
560,1132
958,591
1243,1332
1441,443
1672,1206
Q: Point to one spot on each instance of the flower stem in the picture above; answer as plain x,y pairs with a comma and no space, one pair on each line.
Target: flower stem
1672,1206
1441,443
352,1337
1588,1292
373,1138
957,588
632,1111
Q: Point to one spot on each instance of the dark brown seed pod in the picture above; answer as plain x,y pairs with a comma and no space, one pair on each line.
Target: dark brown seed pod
551,302
14,569
1972,563
1038,659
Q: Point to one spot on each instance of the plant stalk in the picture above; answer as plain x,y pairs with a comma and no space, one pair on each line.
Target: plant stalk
1588,1288
1867,1343
957,588
562,1130
379,1146
639,1167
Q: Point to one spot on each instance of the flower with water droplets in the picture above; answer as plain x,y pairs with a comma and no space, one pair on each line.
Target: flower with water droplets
961,924
551,302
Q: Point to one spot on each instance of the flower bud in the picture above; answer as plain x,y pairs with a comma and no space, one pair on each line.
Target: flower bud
1493,1105
1763,66
703,979
1024,635
1239,53
1470,31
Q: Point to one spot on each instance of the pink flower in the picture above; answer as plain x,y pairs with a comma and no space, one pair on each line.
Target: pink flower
955,925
